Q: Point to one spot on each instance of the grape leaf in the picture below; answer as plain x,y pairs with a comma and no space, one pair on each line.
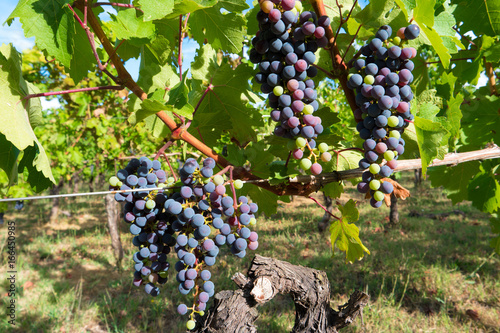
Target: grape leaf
454,179
378,13
481,120
204,63
495,244
189,6
333,190
155,10
8,158
424,12
224,31
37,163
432,135
225,106
485,14
484,192
346,235
443,25
148,107
127,25
83,59
406,6
52,24
266,200
430,36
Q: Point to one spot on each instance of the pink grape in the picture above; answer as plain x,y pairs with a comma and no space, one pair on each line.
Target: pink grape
316,169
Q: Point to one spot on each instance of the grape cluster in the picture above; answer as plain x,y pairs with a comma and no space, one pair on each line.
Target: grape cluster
193,217
383,98
284,49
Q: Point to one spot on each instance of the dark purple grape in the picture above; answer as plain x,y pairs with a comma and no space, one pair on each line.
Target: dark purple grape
412,31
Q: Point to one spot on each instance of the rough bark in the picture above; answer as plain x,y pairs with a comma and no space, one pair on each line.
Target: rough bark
267,277
54,210
325,220
113,212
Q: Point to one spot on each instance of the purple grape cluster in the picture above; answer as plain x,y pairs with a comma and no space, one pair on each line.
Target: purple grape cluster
383,96
193,217
284,49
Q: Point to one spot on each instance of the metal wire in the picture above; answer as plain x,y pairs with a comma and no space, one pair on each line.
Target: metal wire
82,194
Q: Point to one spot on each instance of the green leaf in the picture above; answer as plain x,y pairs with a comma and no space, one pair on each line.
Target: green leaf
178,98
127,25
424,12
333,190
205,63
481,120
279,173
37,163
224,31
484,192
430,36
52,24
432,136
148,107
495,244
406,6
155,10
345,235
8,159
454,180
267,201
83,59
350,213
480,16
190,6
224,107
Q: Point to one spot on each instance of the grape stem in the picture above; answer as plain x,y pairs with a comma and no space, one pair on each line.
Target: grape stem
62,92
342,21
162,149
231,183
288,158
116,4
352,41
325,209
170,166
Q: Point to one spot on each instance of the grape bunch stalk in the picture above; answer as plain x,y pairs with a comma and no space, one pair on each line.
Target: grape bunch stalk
191,218
382,81
284,51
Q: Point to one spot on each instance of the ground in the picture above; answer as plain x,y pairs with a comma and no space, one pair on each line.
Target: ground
424,275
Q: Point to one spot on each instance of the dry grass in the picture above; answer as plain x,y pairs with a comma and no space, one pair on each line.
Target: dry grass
423,276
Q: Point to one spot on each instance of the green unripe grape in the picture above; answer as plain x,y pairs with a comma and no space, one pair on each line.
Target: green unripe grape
278,90
308,109
163,274
305,164
190,324
389,155
202,313
323,147
369,79
170,180
396,40
113,181
349,76
392,121
253,221
395,153
326,156
375,184
218,180
238,184
378,195
298,6
150,204
394,134
119,184
374,168
300,142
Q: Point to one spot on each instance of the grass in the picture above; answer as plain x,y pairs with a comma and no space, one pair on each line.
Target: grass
424,275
